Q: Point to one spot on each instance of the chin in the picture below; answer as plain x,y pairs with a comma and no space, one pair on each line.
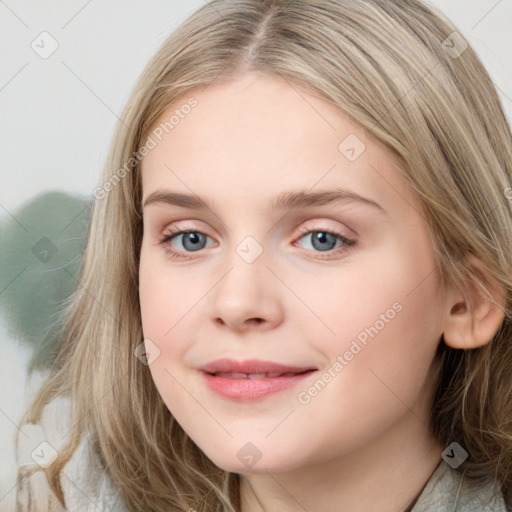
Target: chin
249,460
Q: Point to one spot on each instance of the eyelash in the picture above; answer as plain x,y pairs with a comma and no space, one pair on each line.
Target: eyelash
349,242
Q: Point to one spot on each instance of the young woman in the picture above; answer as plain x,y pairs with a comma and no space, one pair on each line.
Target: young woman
296,292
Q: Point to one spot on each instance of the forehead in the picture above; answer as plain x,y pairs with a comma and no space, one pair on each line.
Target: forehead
260,135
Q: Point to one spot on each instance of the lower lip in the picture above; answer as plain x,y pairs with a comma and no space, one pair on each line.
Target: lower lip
247,390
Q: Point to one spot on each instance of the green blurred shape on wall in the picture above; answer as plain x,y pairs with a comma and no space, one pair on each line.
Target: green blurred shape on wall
41,251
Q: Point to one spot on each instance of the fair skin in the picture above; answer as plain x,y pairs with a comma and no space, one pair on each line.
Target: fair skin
362,443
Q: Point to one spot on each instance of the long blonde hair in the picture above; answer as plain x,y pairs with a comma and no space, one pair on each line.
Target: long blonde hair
397,69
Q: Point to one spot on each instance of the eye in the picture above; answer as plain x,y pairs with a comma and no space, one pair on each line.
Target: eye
190,240
325,240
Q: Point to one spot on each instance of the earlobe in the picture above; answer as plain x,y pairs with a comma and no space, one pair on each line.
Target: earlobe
474,318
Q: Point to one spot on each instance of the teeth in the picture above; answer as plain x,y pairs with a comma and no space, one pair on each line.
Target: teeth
252,375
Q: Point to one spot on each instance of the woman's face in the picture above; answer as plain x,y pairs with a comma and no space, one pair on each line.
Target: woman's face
341,285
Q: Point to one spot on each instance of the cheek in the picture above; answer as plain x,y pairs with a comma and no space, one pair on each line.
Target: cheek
397,347
153,301
379,370
163,302
163,295
369,291
383,315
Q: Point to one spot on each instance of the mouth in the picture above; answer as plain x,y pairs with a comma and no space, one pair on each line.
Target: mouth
251,385
271,375
254,368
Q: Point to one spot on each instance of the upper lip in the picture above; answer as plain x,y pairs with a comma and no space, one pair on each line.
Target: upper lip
249,366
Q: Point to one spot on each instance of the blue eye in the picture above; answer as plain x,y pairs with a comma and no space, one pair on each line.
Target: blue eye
191,241
322,241
325,240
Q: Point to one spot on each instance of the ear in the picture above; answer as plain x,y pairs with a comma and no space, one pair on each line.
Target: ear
474,318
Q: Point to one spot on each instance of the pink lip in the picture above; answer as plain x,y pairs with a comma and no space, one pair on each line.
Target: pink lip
245,389
226,365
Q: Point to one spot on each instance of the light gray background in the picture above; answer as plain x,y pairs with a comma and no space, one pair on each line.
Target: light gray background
58,114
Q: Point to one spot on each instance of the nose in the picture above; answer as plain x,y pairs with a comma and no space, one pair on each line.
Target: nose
247,296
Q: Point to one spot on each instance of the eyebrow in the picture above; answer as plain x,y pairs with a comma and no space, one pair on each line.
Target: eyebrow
286,200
